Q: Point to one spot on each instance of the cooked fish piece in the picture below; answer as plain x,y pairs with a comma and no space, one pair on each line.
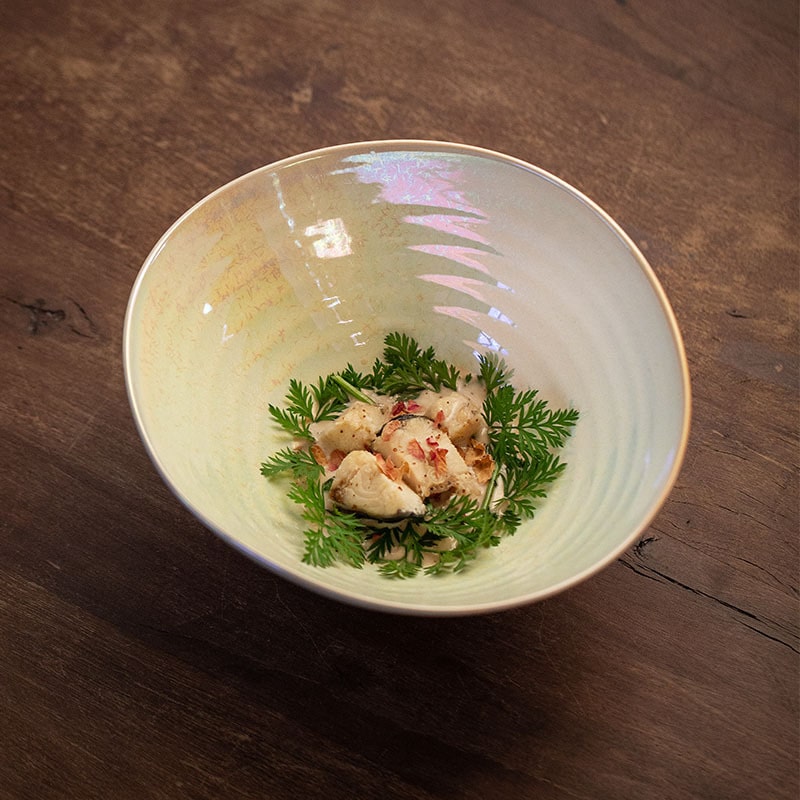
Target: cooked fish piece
354,429
429,458
362,483
457,415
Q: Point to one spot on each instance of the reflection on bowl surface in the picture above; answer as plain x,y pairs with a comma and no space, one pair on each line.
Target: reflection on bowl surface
302,266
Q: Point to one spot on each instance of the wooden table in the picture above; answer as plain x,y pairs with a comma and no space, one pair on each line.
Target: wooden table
141,657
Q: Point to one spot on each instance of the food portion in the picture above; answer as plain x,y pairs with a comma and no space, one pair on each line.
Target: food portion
414,466
418,446
366,483
426,458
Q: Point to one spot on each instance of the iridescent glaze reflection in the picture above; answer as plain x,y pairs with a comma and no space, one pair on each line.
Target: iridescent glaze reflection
426,190
317,243
330,238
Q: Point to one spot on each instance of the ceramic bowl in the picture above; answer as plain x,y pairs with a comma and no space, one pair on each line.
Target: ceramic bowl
304,265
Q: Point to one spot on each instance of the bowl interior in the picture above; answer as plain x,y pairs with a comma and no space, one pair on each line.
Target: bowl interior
303,266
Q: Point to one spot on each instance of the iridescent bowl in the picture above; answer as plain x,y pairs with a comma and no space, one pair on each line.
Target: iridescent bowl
303,266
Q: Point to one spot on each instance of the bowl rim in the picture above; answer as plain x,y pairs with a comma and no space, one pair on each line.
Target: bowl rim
365,601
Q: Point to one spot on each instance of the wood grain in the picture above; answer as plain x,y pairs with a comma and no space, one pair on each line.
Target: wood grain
141,657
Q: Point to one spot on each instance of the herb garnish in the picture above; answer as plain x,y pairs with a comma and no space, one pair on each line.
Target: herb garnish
523,432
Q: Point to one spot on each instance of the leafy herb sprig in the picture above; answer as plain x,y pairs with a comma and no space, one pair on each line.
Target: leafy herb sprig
407,369
523,432
323,400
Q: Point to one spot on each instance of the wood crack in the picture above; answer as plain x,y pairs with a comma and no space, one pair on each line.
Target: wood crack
661,577
41,317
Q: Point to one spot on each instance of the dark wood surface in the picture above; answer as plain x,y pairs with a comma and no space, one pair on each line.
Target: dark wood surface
141,657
